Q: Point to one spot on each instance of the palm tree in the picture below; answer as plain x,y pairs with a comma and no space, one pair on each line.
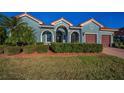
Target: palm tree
11,25
26,34
17,30
10,22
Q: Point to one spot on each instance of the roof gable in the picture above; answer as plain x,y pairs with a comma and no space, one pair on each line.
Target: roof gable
31,17
61,19
92,20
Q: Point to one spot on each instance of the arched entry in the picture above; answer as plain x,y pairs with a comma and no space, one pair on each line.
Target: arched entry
46,37
61,34
75,37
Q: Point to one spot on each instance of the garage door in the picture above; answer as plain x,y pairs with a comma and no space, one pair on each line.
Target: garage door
106,40
90,38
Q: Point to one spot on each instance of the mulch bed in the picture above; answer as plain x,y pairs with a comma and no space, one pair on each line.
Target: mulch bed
22,55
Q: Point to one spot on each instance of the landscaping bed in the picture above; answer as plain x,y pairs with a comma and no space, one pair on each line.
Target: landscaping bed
54,47
28,49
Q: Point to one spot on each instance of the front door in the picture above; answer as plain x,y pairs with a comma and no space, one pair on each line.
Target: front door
59,37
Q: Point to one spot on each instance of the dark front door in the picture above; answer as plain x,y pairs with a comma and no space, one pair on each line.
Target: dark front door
59,37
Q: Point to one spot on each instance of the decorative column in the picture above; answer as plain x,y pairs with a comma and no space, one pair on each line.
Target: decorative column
54,32
100,39
63,39
97,38
111,39
69,37
52,36
40,37
45,37
81,37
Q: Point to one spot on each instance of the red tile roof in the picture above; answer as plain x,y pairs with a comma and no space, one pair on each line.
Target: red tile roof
62,19
92,20
30,16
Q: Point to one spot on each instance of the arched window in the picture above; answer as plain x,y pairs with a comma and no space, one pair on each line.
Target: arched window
61,34
75,37
47,37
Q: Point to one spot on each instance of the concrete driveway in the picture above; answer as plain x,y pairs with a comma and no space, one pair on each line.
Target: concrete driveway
114,52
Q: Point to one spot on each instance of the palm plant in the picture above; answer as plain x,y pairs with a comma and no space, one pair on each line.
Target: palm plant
17,30
11,25
26,34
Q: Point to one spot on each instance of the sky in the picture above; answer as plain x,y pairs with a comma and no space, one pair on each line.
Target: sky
108,19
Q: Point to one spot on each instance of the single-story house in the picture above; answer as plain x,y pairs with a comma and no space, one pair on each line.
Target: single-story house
63,31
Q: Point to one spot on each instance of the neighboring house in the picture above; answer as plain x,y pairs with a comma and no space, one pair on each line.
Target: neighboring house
120,34
63,31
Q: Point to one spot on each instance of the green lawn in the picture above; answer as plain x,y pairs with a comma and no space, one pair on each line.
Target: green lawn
80,68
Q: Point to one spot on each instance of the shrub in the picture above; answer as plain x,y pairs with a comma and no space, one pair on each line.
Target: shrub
10,44
119,45
41,48
68,47
39,43
122,46
12,50
22,43
1,49
29,49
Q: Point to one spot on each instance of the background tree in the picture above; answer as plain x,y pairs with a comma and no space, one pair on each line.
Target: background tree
2,35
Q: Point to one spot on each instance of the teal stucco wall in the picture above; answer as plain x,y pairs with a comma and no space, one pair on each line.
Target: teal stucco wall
90,28
34,25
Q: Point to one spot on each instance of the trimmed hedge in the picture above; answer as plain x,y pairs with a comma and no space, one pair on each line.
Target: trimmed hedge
12,50
29,49
39,43
55,47
1,49
41,48
35,48
68,47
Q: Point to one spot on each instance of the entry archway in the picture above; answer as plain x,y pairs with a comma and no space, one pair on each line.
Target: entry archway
61,34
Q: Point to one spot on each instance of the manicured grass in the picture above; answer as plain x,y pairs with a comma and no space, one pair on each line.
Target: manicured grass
81,68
